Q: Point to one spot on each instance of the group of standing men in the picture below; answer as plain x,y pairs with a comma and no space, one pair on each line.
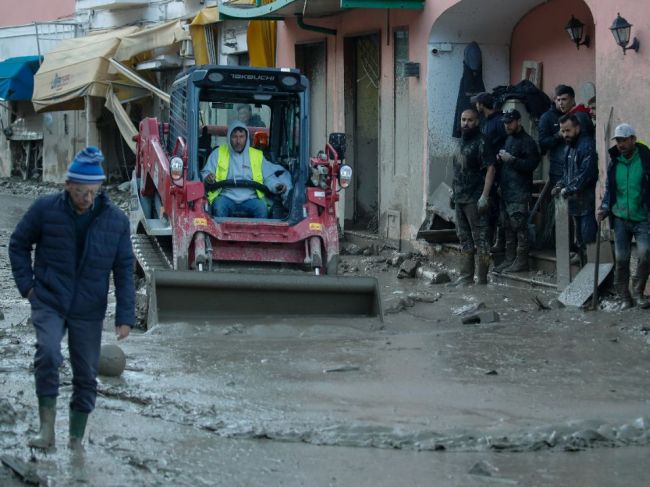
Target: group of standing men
494,163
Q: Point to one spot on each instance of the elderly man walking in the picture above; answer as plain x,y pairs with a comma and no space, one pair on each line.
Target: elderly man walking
80,237
627,204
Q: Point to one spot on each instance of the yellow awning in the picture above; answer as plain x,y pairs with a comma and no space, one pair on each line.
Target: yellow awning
80,67
260,38
200,34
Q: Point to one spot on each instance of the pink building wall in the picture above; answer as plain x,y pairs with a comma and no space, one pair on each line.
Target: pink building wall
30,11
621,82
540,37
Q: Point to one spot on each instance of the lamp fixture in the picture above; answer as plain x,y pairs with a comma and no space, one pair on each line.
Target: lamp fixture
621,29
575,29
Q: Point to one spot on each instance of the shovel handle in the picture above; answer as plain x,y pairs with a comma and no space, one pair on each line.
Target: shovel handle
594,299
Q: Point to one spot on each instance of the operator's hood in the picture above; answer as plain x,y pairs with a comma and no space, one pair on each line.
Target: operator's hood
235,125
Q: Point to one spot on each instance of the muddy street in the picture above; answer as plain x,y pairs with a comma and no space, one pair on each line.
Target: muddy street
535,397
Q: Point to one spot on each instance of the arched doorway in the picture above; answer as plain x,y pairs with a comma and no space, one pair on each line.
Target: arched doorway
508,32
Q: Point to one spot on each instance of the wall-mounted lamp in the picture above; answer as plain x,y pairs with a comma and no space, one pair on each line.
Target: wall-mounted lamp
621,29
575,28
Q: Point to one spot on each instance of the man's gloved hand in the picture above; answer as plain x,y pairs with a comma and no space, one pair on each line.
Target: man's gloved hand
601,215
280,188
564,193
556,190
482,204
505,156
209,178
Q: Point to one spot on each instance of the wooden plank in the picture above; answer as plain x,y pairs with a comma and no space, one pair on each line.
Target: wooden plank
562,243
582,287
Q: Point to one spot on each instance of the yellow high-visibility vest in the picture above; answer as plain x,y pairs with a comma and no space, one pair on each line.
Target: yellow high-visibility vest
223,163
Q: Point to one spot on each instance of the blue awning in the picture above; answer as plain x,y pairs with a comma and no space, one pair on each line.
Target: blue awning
17,77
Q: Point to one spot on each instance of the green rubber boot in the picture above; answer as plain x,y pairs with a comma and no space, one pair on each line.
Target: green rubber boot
47,415
77,429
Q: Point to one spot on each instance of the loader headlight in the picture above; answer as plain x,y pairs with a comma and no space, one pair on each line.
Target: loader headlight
345,176
176,168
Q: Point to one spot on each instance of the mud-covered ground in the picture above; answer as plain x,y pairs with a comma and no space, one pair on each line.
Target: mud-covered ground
540,397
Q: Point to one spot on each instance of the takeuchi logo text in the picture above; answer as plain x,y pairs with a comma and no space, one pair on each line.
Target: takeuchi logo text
58,82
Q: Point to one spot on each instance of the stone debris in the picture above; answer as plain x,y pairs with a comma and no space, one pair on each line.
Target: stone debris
396,258
556,304
433,277
408,268
483,468
351,249
482,317
469,308
409,301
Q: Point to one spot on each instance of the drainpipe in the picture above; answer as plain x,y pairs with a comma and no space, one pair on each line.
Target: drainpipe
314,28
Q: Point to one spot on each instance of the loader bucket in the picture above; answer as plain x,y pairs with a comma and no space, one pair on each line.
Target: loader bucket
189,296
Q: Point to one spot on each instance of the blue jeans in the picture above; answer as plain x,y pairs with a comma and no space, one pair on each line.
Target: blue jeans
223,206
84,342
624,230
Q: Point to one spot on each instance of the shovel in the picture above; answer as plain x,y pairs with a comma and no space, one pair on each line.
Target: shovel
594,298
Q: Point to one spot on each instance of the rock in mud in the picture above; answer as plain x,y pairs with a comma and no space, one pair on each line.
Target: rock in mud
483,468
351,249
408,268
433,277
397,258
112,361
555,304
482,317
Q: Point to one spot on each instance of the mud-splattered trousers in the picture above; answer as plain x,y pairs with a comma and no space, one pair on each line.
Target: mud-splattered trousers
84,343
514,218
473,229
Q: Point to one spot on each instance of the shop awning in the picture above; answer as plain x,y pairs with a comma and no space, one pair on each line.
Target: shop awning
282,9
81,67
17,77
203,41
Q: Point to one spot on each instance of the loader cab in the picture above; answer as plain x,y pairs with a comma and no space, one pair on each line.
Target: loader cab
271,102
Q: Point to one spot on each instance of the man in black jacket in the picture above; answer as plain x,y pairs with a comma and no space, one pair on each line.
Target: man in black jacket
578,182
627,204
518,159
551,141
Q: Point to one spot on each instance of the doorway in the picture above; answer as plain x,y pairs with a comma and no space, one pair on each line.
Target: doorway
361,85
311,60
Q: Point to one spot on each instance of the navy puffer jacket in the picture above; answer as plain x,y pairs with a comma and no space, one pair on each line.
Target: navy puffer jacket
74,292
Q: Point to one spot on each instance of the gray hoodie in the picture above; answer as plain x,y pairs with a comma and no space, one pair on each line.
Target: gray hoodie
240,169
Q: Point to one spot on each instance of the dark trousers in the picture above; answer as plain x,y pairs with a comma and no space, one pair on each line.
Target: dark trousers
585,228
84,343
473,230
624,230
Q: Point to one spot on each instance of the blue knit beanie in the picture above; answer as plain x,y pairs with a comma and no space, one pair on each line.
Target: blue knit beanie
86,168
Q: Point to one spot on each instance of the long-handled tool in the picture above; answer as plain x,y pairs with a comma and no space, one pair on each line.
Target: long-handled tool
594,298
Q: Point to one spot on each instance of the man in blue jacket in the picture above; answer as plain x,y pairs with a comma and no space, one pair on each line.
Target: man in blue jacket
80,237
578,183
627,204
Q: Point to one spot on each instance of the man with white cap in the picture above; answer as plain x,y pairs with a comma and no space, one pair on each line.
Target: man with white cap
627,203
80,237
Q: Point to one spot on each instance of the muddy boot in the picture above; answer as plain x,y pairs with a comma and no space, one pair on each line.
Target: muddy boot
622,285
466,271
47,415
520,264
500,245
511,253
640,281
483,266
77,429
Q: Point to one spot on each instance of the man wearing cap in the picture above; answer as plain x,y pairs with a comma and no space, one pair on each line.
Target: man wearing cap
627,204
578,183
80,237
473,164
517,160
492,128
